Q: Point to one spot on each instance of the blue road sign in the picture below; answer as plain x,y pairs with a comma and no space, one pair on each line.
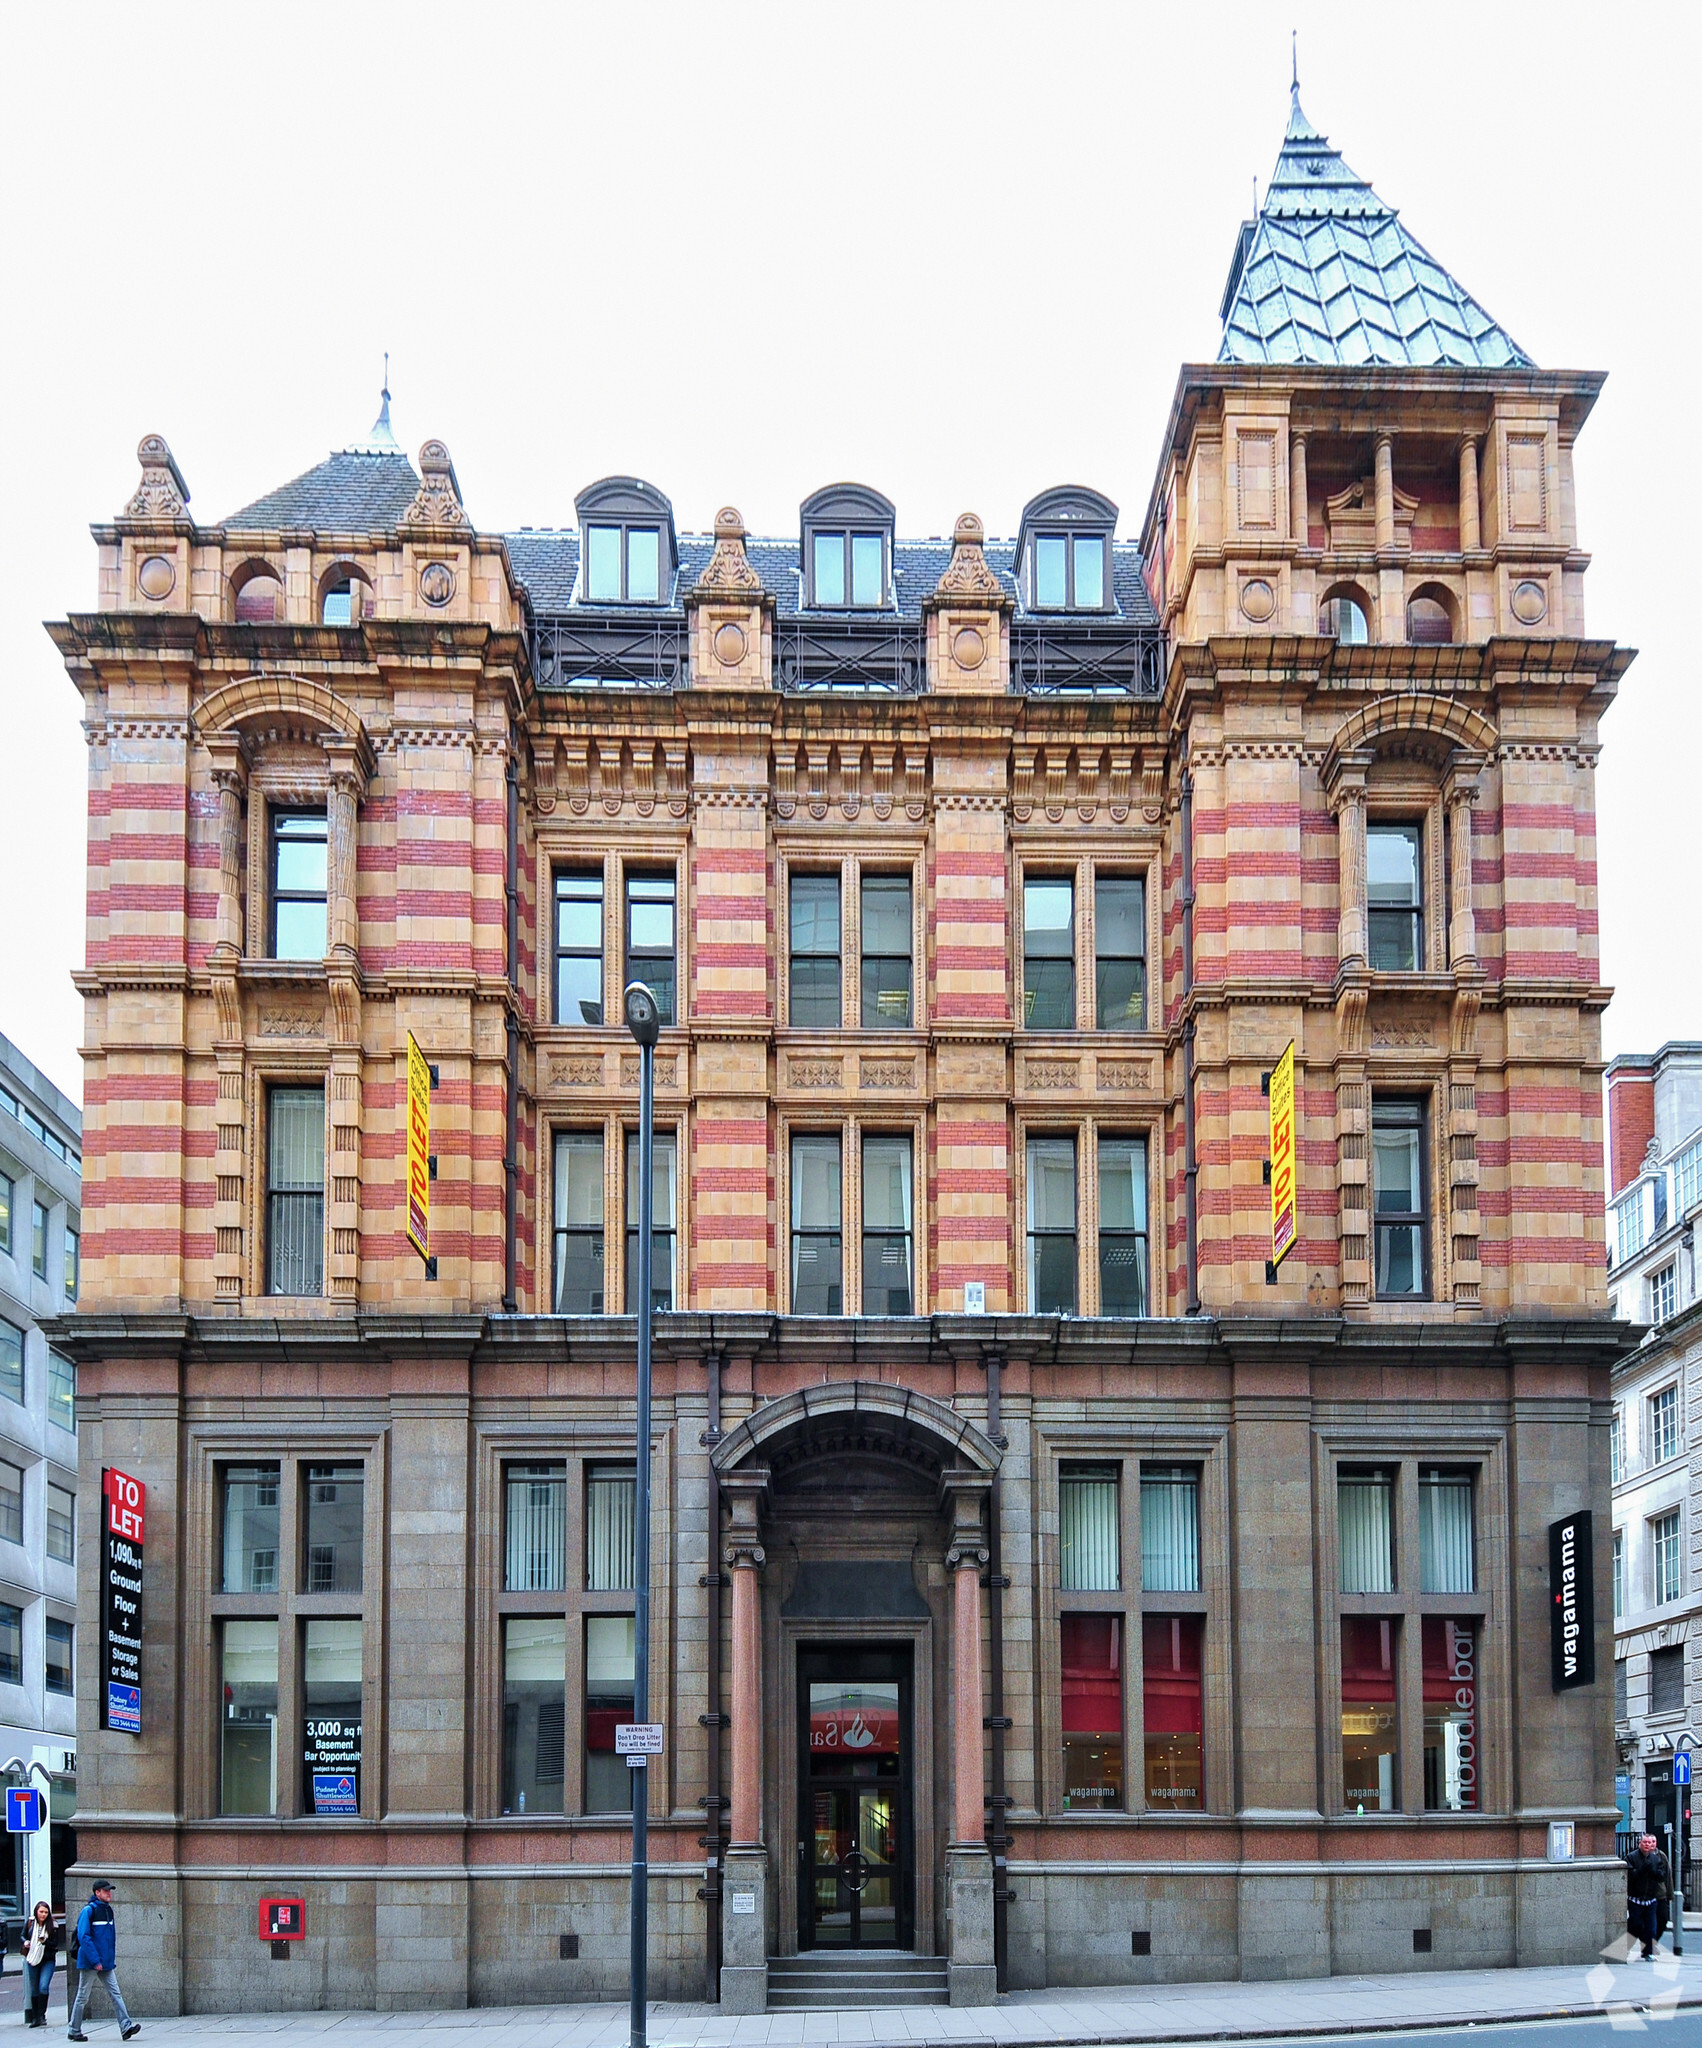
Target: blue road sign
1681,1767
23,1810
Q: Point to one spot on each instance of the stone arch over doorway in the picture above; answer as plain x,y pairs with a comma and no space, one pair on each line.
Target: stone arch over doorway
866,1415
854,1532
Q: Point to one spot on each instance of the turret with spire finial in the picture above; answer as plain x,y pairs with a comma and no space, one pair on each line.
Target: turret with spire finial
380,439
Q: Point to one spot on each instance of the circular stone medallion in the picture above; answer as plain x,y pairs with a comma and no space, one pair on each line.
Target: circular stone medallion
730,644
969,650
1258,600
156,577
437,583
1530,603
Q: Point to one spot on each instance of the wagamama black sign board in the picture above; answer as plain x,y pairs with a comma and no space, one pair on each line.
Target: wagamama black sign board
1572,1608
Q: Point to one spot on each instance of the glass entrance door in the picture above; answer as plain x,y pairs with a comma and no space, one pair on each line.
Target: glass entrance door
854,1832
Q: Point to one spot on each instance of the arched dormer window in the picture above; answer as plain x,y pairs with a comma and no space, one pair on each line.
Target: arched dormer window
629,550
345,595
1063,551
847,548
257,595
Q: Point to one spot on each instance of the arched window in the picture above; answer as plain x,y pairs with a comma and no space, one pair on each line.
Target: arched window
1430,618
259,595
345,596
1345,617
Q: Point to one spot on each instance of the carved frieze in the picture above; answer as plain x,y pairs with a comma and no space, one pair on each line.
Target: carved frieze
667,1070
290,1020
1051,1075
1124,1074
887,1073
576,1070
814,1073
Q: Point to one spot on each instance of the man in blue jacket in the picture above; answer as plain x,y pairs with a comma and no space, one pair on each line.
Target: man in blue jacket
97,1949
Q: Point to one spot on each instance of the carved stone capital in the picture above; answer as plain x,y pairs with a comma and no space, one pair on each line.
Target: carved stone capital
745,1492
1463,783
962,1495
1345,778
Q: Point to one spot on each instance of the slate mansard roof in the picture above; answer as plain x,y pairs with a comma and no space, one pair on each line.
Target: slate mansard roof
547,562
1329,274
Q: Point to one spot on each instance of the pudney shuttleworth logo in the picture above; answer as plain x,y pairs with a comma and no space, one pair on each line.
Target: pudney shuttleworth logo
1608,1990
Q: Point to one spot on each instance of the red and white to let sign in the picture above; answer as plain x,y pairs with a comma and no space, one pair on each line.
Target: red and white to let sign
126,1502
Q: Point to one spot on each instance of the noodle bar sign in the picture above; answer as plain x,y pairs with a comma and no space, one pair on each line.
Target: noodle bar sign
123,1503
1572,1602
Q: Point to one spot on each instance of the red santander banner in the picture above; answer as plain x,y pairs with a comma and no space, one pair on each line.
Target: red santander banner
854,1730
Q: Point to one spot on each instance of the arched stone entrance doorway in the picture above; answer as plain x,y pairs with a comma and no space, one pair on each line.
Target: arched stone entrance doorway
853,1528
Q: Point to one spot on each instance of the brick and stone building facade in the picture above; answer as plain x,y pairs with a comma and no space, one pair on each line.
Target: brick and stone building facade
1041,1580
1654,1206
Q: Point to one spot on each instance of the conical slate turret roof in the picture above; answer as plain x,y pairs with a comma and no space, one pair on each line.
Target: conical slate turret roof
364,488
1329,274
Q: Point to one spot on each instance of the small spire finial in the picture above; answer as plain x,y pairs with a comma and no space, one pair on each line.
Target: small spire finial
1294,55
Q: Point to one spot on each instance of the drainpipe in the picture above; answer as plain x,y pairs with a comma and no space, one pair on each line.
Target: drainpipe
998,1833
713,1839
1191,1162
510,1162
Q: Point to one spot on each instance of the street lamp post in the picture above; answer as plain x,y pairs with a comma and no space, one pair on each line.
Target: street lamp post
644,1022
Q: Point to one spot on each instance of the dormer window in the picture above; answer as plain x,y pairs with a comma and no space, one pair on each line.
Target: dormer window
630,549
623,565
847,549
1069,572
1063,551
848,568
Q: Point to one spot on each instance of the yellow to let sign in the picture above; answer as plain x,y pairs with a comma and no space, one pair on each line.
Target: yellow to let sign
1283,1224
419,1147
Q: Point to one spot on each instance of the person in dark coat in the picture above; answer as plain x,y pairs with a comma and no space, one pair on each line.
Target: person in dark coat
97,1952
40,1944
1648,1886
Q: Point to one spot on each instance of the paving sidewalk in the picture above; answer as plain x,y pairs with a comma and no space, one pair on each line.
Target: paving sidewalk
1634,1993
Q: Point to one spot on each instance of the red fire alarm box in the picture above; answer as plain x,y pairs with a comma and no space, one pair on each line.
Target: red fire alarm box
283,1919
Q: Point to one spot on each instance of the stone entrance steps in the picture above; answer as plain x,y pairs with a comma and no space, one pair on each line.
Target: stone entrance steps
822,1979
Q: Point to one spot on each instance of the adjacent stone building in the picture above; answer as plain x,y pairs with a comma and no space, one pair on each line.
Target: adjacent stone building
1043,1580
40,1274
1655,1116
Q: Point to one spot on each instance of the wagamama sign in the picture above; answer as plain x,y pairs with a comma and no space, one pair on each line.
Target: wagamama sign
1572,1602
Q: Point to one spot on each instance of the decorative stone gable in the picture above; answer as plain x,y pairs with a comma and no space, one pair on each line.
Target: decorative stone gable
732,616
966,617
162,494
438,499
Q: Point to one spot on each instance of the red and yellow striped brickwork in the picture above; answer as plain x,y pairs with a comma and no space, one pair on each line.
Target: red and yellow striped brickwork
1275,739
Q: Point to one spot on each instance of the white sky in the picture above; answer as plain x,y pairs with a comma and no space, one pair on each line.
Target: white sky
956,251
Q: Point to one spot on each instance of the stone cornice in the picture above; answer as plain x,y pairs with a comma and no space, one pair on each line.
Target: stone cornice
838,1345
